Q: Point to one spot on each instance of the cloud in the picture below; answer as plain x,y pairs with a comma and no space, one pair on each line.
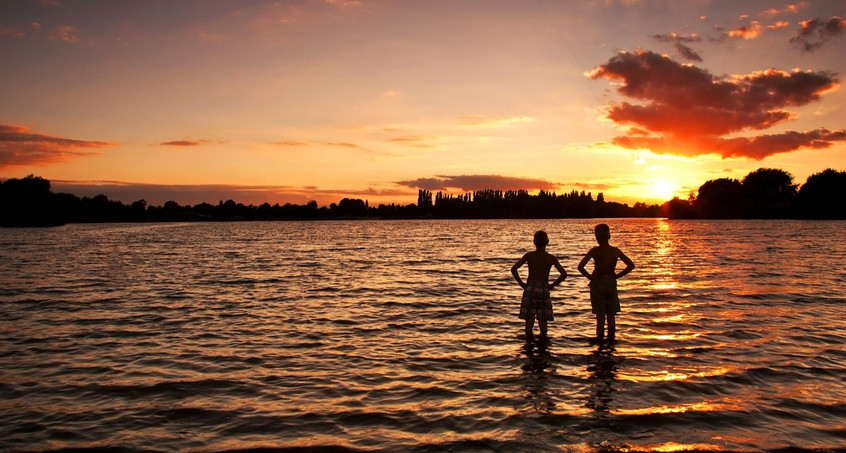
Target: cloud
480,121
66,33
757,147
189,143
318,145
687,111
815,33
344,3
594,186
778,25
11,31
680,42
747,32
348,145
479,182
20,146
290,144
415,141
182,143
791,8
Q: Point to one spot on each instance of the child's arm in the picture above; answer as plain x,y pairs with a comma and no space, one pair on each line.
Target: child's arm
561,271
516,274
584,262
627,261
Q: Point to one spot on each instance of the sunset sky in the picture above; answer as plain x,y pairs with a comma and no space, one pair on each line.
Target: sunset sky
291,101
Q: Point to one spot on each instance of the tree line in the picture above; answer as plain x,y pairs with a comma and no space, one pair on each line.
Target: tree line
29,201
763,193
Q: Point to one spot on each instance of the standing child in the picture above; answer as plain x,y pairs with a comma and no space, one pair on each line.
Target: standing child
604,300
536,302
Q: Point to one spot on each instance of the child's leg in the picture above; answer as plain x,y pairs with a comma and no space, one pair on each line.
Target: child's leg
542,325
600,326
612,326
530,324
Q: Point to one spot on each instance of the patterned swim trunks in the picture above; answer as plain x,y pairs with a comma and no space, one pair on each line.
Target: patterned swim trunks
603,295
536,302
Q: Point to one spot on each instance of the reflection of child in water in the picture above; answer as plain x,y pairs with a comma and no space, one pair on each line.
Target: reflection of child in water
604,301
536,302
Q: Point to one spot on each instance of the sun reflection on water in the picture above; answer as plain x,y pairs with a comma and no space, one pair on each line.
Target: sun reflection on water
700,406
671,375
674,446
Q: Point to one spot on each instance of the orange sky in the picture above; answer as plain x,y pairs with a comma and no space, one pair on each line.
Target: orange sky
291,101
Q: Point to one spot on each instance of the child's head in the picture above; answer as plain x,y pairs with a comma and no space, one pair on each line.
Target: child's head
541,239
602,233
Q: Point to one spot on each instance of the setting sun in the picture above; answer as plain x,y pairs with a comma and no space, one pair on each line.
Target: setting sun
663,189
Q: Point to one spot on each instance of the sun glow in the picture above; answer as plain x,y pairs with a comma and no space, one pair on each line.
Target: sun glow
663,189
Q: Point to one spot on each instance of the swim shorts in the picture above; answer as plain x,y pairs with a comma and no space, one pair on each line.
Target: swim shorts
536,302
603,295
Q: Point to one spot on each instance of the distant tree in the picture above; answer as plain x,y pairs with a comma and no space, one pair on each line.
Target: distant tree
27,202
139,206
720,199
769,193
424,201
350,208
677,209
823,196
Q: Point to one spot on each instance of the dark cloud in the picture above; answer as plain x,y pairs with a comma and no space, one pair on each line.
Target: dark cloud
685,110
20,146
815,33
183,143
479,182
680,42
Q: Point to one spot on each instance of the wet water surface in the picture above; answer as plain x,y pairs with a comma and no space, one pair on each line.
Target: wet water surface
403,336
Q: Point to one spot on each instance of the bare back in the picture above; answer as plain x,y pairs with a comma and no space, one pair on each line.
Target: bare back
605,259
539,262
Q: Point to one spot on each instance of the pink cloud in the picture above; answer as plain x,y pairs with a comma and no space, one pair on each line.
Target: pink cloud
20,146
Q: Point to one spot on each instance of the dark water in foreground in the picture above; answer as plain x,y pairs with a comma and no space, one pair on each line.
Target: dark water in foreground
403,336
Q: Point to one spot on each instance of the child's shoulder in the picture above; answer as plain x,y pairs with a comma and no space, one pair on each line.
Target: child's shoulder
539,255
605,249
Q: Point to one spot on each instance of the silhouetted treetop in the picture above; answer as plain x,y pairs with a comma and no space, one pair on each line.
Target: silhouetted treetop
767,193
763,193
824,195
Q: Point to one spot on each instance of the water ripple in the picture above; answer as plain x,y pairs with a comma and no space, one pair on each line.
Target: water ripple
260,337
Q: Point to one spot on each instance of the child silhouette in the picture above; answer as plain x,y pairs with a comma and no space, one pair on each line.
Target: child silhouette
604,300
536,302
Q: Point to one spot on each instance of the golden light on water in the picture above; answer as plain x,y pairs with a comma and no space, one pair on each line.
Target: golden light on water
667,375
673,446
701,406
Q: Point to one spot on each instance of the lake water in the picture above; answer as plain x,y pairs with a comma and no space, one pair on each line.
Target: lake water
403,336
